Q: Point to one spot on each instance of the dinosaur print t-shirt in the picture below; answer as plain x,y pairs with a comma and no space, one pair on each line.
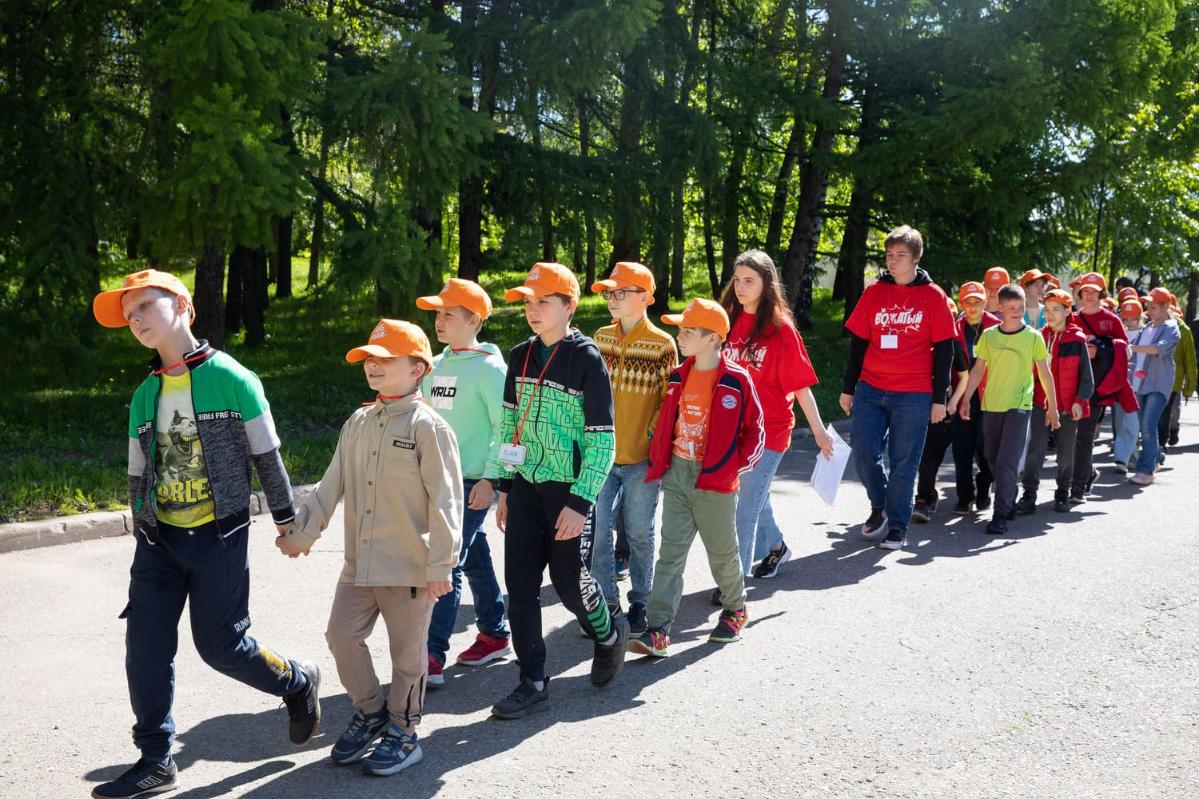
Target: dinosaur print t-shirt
183,495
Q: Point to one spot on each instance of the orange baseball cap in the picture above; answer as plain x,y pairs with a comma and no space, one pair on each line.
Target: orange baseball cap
627,273
392,338
701,313
107,305
1053,281
1109,303
458,293
972,290
1091,280
1161,295
1125,293
543,279
996,276
1130,309
1059,296
1033,275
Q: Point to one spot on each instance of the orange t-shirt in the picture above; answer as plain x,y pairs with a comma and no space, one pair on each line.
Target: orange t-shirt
691,428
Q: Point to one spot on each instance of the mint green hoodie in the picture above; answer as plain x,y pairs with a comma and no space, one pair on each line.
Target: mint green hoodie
467,388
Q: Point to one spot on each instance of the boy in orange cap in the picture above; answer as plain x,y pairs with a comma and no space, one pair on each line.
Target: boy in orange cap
640,357
466,386
197,424
1034,282
556,448
396,466
996,278
709,433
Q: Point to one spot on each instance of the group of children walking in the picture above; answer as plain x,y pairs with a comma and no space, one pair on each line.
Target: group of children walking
567,438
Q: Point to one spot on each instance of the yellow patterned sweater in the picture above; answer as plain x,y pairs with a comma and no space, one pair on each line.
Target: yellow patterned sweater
639,365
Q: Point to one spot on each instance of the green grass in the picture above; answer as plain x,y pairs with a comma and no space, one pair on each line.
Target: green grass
63,418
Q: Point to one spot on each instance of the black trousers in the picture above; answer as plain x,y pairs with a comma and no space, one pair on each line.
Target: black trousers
1084,449
529,547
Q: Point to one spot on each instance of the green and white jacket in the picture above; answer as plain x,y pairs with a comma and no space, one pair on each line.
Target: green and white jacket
233,421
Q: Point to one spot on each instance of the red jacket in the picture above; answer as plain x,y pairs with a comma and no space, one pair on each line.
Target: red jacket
1071,369
736,436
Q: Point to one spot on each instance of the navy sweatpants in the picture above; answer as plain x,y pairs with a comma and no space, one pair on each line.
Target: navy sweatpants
212,576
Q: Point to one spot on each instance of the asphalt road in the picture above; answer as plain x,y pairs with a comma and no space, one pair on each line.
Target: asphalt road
1060,661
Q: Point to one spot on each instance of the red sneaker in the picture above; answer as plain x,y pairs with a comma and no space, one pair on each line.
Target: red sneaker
485,649
436,677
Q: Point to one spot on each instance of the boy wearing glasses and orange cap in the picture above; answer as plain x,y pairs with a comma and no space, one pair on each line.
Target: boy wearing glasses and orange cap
556,450
640,357
396,466
197,424
709,433
466,386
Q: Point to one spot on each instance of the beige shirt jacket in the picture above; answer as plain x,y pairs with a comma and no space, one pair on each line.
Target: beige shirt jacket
397,467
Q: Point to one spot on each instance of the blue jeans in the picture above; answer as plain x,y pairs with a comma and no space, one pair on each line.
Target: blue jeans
1126,425
757,532
626,492
895,422
475,563
1149,415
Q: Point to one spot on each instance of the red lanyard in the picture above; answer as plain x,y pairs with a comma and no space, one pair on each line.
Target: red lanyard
184,362
536,387
389,397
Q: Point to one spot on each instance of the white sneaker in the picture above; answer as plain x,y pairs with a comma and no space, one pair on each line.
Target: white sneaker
1141,479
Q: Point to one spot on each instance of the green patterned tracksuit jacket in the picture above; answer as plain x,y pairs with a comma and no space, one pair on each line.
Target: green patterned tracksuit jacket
233,421
569,435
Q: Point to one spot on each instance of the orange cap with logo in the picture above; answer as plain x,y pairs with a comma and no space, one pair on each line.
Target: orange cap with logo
1091,280
1126,292
701,313
627,273
107,305
1033,275
1131,308
461,294
996,276
543,279
972,290
1053,282
1161,295
393,338
1060,297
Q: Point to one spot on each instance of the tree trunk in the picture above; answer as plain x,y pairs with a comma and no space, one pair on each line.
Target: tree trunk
799,265
710,245
778,204
679,233
626,193
239,266
254,299
318,205
851,262
209,297
283,255
730,223
585,157
1192,294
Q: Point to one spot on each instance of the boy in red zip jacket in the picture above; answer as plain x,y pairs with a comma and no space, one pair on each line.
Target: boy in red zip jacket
709,431
1074,384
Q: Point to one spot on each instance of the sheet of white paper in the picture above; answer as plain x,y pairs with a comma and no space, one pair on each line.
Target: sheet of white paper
826,477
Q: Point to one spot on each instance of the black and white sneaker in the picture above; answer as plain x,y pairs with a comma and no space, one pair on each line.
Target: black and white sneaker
637,621
523,700
304,707
894,540
359,736
716,598
608,660
144,778
769,567
922,511
875,526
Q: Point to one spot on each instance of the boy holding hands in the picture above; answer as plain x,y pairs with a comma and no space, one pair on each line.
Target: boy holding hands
396,466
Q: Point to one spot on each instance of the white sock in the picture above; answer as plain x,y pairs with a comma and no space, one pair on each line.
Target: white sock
611,639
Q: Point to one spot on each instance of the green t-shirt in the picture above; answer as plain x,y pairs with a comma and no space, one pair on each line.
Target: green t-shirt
1011,359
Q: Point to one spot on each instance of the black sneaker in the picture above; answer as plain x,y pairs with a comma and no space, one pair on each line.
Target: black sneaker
1061,505
609,660
717,598
875,526
304,707
894,540
1027,504
963,508
1077,498
143,778
359,736
1091,482
769,567
998,525
636,617
523,700
982,501
922,511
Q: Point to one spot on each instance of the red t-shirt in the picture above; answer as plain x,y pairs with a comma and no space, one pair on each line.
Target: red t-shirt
901,323
778,364
1101,323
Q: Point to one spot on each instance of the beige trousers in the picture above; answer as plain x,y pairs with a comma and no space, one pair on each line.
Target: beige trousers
406,613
